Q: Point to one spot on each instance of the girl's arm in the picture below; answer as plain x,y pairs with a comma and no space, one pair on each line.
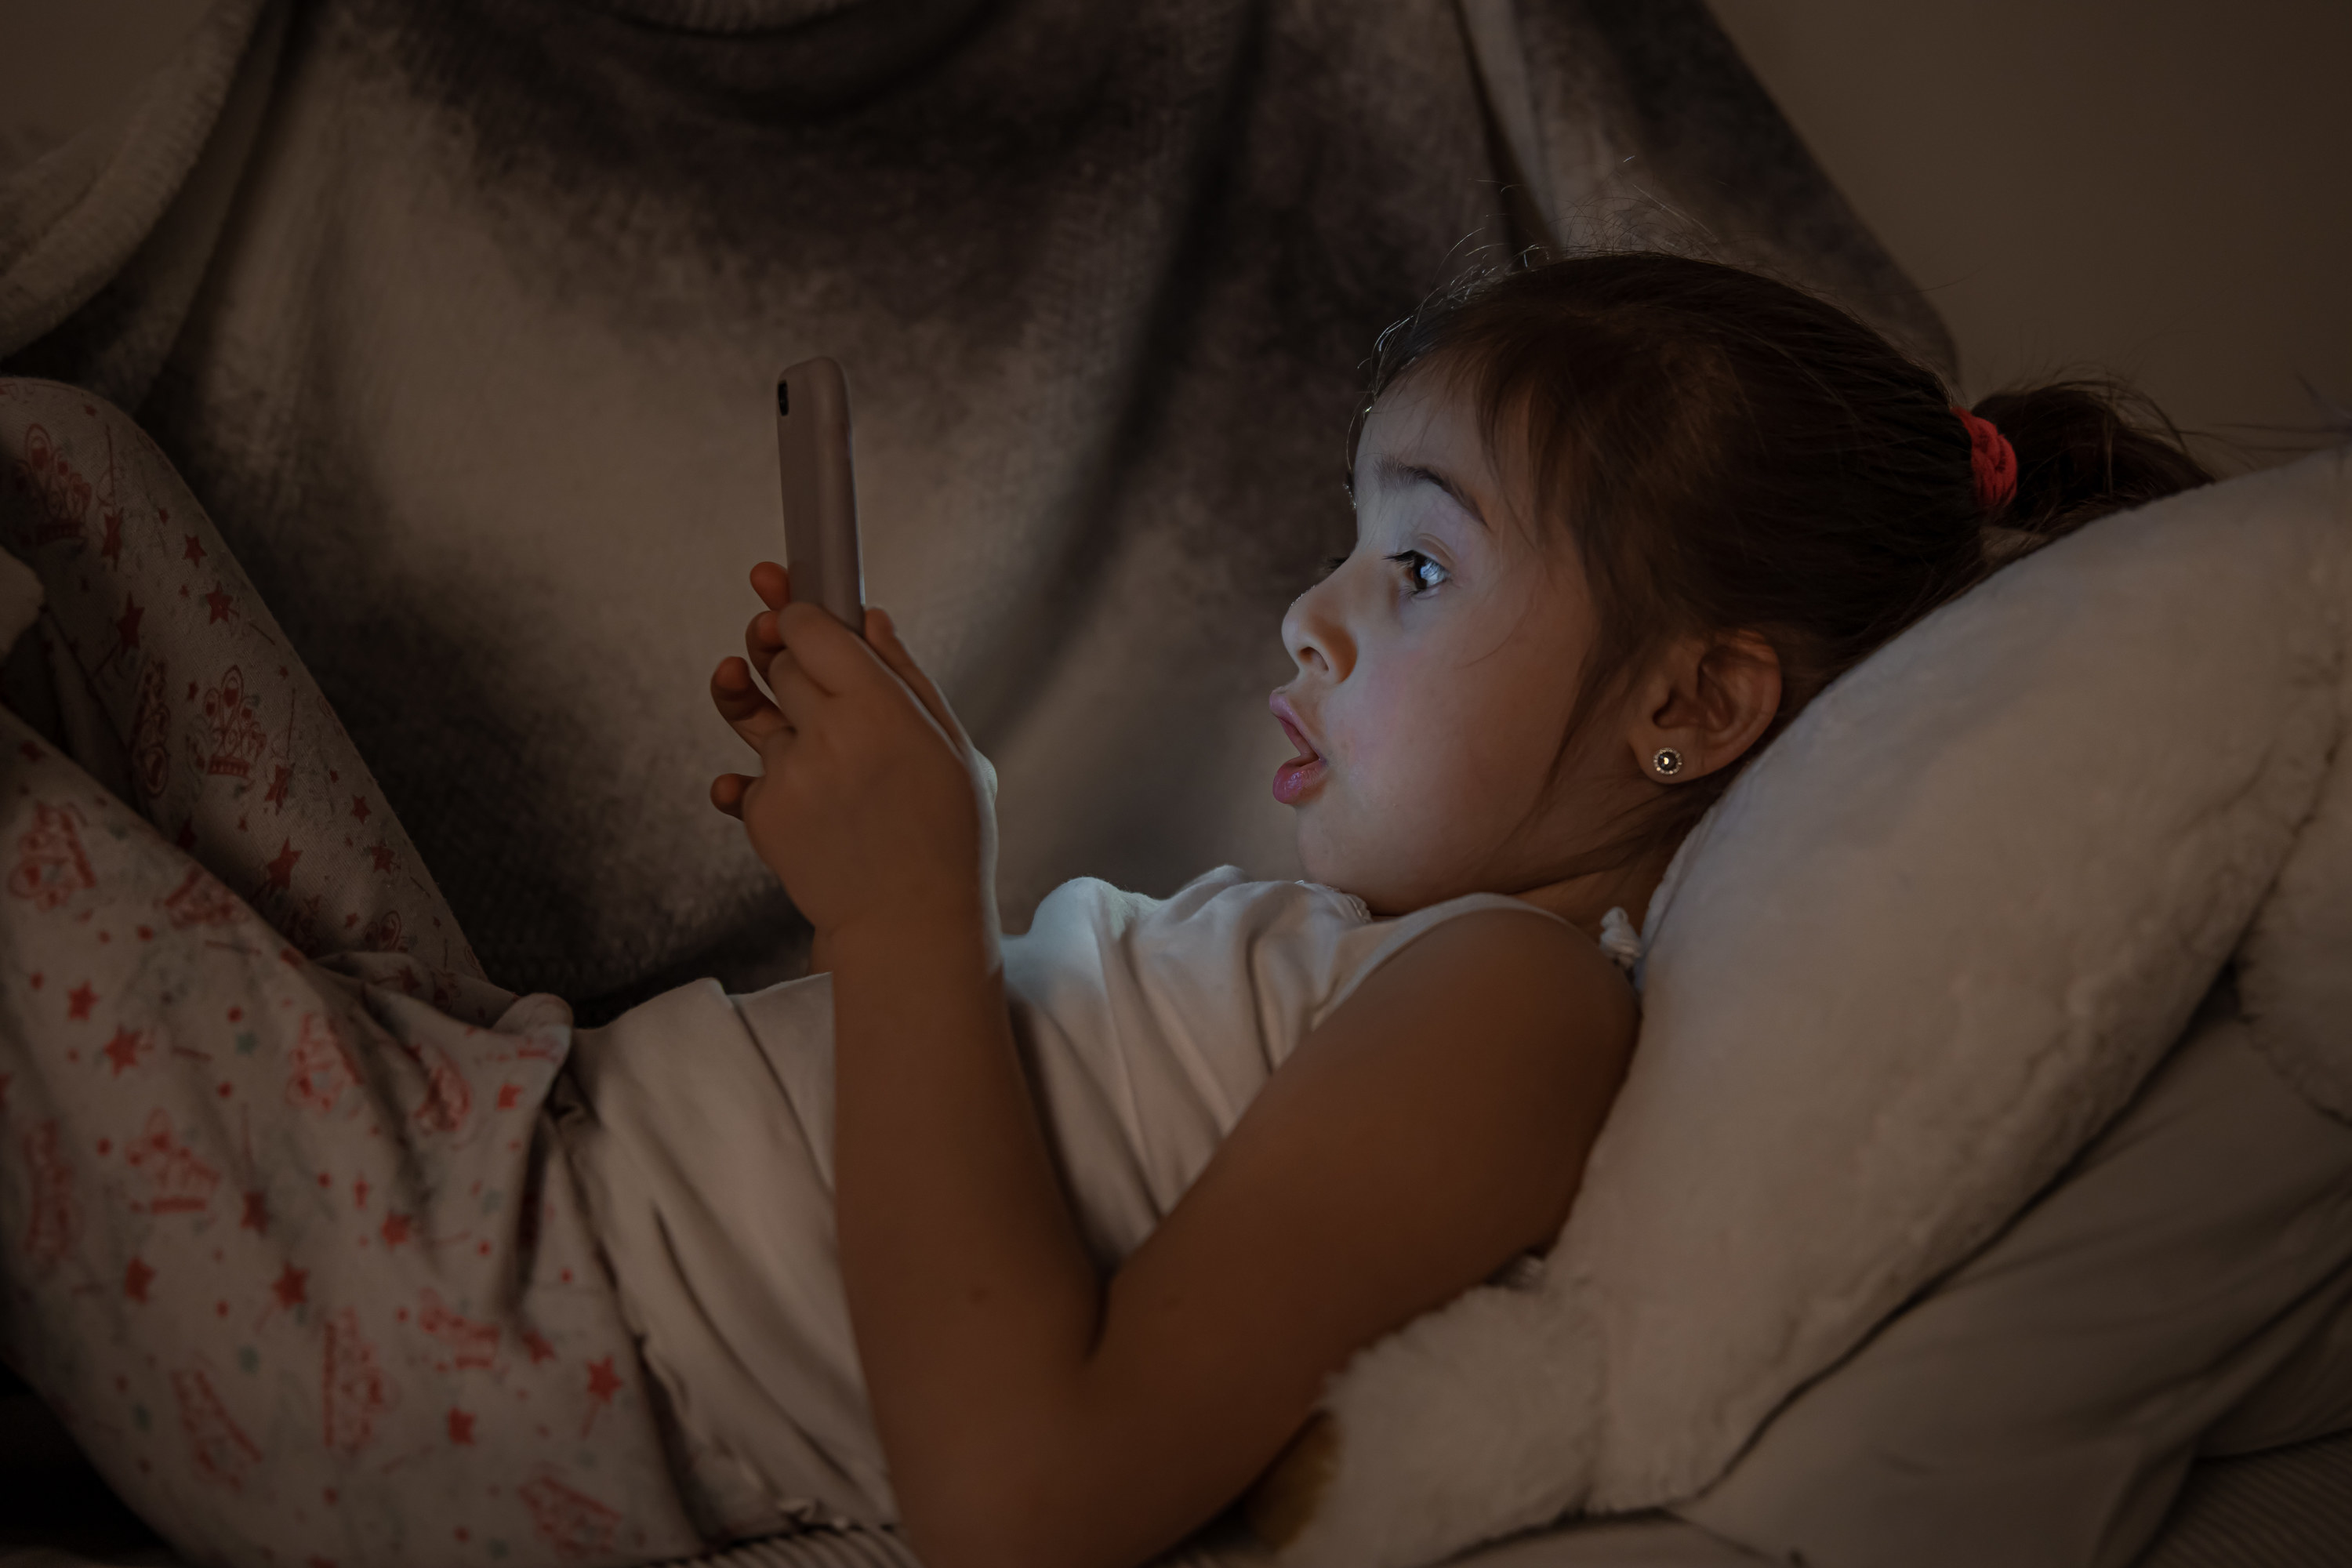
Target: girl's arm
1434,1126
1431,1130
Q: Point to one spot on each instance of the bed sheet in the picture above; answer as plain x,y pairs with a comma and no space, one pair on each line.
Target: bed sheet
2291,1507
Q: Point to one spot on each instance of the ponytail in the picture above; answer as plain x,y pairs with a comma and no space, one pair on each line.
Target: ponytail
2085,448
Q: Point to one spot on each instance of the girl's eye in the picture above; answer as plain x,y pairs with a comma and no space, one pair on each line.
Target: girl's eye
1332,563
1420,571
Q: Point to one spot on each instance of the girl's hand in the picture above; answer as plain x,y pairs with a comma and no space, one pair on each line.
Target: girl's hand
871,806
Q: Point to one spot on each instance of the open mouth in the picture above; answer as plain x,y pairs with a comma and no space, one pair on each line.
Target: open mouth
1297,778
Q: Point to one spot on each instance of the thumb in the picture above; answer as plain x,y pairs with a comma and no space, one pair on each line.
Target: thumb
882,635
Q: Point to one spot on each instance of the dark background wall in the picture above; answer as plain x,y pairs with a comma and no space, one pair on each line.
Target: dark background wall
2155,186
2160,187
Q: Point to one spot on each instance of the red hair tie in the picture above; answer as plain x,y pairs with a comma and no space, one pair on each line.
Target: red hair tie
1991,459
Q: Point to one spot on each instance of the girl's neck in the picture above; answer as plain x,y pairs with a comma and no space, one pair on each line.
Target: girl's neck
1582,900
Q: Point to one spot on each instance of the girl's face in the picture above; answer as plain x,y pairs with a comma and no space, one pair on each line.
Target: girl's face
1437,666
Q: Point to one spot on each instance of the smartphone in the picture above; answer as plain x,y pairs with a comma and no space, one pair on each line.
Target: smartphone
813,444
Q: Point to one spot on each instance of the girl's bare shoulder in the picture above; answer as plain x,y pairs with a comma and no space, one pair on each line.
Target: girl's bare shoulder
1519,966
1496,1025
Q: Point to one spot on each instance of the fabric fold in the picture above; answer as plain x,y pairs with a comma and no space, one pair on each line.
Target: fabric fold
131,206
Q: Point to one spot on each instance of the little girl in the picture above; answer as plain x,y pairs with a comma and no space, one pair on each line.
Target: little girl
1112,1199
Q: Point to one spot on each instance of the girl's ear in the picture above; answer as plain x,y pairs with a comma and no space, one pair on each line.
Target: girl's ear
1707,702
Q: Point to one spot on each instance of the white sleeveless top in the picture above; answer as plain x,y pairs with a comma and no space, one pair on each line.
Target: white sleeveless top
700,1128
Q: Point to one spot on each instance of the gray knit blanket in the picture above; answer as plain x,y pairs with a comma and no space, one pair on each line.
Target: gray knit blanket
460,317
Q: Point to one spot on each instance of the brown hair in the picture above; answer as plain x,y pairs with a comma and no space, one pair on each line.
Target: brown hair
1730,453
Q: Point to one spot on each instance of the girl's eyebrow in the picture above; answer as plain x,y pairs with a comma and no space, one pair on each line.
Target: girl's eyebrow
1395,473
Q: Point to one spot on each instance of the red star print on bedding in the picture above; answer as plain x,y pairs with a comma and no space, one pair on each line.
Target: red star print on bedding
263,1242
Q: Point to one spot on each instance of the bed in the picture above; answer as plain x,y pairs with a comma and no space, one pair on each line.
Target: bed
157,263
2288,1509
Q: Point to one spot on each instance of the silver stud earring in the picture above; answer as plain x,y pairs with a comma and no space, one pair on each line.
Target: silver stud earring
1668,762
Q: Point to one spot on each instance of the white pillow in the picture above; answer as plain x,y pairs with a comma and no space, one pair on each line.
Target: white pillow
2041,1405
1923,950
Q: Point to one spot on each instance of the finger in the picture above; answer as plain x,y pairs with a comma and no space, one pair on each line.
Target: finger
799,699
772,584
828,652
761,638
743,704
882,634
727,793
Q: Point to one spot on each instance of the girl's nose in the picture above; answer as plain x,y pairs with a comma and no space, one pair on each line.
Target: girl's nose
1314,633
